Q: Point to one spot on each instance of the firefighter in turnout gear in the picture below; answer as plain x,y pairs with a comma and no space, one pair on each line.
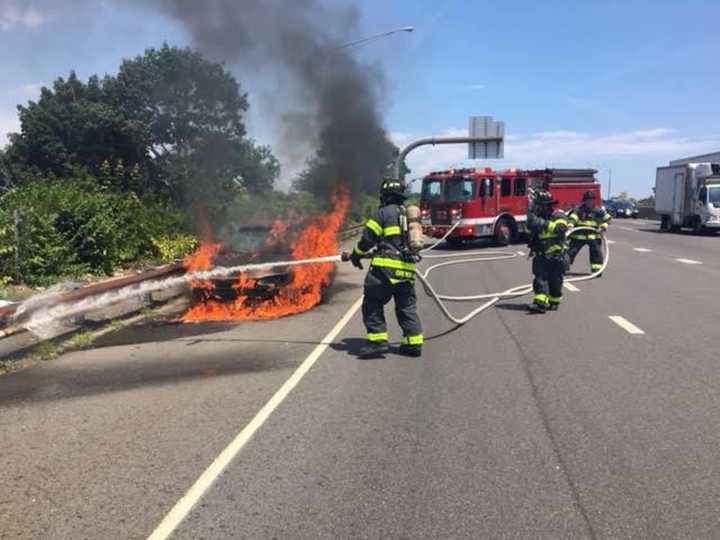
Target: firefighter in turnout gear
589,214
391,274
549,250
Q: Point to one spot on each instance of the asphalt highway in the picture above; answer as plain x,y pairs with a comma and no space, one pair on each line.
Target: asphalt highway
596,421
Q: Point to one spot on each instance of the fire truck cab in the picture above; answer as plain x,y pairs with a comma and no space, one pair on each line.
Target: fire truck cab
493,204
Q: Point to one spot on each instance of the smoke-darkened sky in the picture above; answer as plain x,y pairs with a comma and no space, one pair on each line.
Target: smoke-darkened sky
324,97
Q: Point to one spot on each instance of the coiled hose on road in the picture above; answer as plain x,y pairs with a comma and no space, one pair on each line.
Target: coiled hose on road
487,256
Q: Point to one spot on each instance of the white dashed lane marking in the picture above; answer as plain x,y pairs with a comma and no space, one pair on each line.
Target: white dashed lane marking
611,242
688,261
626,325
571,287
642,250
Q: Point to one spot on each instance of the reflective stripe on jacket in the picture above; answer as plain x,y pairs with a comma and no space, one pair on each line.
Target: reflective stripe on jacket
582,216
548,235
383,231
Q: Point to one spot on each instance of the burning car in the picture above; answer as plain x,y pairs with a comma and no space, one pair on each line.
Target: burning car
257,284
275,290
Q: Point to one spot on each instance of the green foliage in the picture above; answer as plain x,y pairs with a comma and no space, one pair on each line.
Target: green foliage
96,175
362,206
54,228
173,247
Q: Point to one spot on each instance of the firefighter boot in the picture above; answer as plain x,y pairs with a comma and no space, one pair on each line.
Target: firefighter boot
411,350
374,349
537,307
553,306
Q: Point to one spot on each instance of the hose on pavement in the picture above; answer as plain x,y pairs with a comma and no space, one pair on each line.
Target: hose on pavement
490,299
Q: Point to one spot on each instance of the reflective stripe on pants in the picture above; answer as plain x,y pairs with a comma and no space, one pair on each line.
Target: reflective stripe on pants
377,336
548,279
596,251
379,291
412,340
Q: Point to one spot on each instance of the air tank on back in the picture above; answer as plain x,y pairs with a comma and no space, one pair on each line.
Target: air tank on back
416,239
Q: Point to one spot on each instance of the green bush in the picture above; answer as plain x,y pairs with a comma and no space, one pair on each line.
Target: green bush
53,228
169,248
362,207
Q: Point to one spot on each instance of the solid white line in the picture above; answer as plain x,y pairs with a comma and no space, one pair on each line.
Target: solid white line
688,261
642,250
521,253
571,287
625,324
205,481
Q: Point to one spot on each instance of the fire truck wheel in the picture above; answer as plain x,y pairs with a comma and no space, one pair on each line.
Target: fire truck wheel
454,242
503,233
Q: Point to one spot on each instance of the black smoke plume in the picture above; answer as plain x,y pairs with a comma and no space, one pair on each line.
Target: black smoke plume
327,102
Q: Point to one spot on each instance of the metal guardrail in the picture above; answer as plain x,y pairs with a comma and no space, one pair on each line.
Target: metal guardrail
9,329
7,312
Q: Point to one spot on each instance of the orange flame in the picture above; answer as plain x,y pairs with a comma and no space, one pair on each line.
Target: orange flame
201,259
304,290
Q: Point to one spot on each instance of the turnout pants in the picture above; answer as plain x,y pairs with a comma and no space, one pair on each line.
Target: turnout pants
378,292
548,272
596,252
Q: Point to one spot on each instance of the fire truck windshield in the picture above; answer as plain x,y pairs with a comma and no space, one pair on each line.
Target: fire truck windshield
432,189
459,188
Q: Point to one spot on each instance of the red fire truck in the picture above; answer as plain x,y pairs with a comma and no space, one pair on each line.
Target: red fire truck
492,203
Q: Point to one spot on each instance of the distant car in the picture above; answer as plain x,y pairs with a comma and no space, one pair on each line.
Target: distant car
622,209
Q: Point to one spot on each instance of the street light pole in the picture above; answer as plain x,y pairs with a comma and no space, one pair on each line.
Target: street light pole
609,184
377,36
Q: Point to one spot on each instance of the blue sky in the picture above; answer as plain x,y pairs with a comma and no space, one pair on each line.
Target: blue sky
614,85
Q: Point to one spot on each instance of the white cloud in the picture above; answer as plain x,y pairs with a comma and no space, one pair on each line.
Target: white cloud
561,149
14,16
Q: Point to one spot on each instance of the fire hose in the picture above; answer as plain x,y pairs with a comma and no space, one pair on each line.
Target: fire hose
486,256
492,298
37,316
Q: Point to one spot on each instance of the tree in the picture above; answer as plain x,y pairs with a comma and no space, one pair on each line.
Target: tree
72,125
170,123
8,175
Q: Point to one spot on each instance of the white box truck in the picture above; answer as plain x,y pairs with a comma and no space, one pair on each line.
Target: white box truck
688,195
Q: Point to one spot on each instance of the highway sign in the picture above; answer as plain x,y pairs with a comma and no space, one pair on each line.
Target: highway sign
486,126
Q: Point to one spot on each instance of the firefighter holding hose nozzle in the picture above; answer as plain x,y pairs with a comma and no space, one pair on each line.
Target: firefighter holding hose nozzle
589,214
548,247
391,234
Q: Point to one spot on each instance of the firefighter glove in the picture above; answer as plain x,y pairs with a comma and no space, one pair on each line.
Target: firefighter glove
355,260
